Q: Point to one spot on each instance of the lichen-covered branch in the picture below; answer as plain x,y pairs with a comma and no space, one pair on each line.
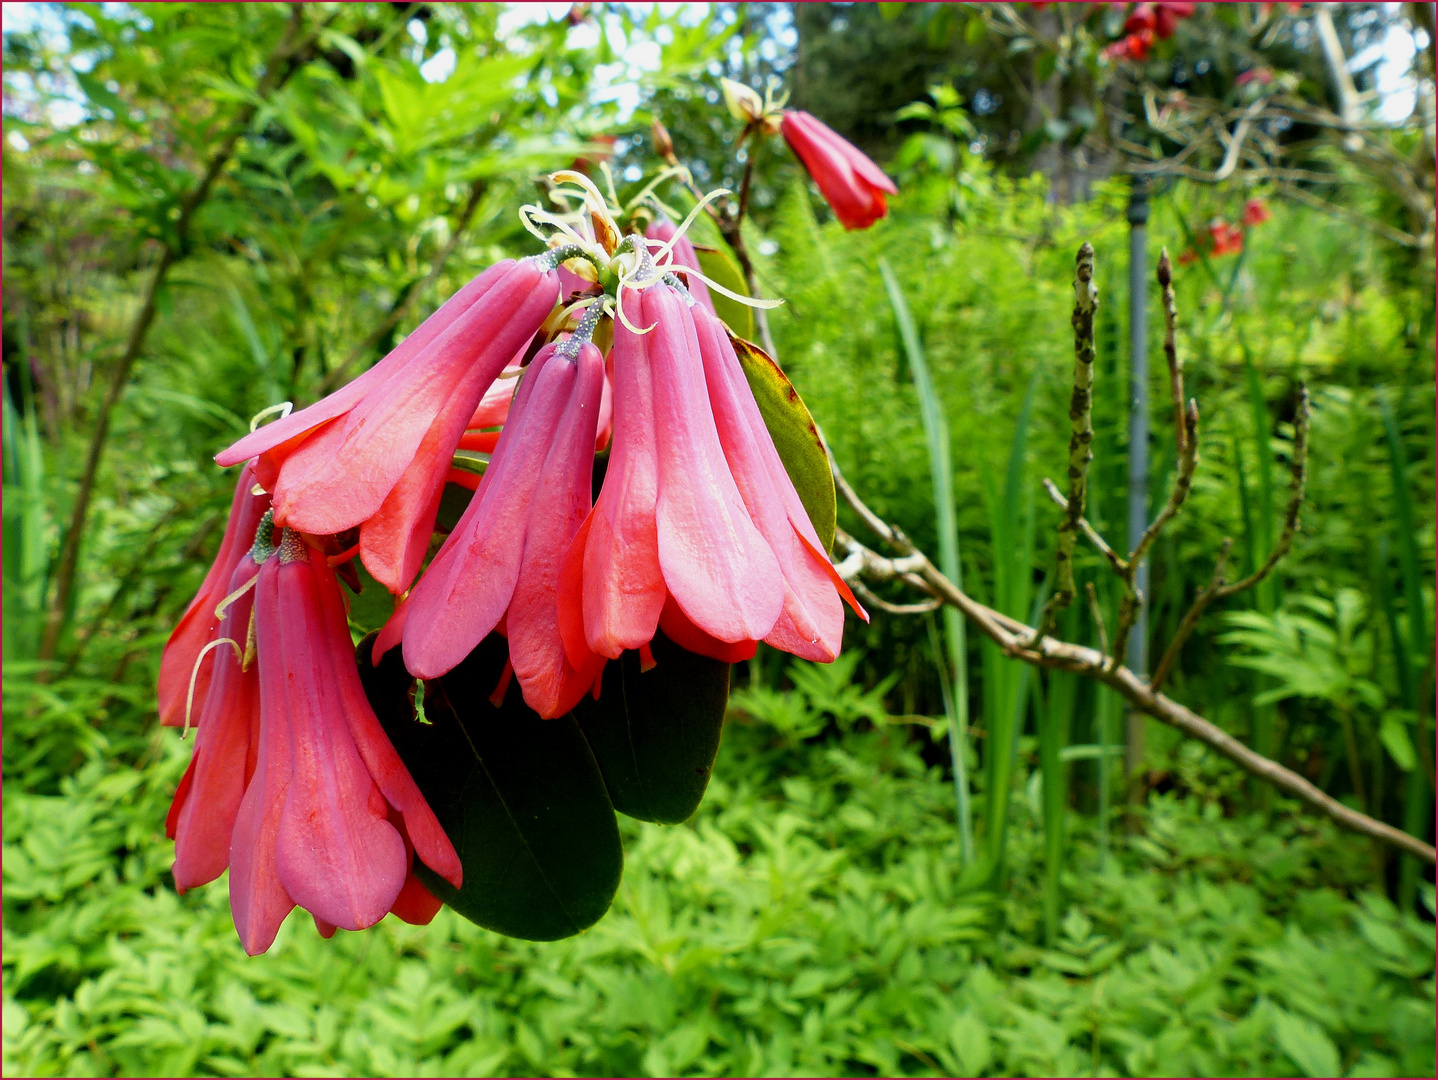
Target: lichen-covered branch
1081,437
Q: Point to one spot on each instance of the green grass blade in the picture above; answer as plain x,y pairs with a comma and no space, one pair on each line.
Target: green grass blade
1407,545
1055,723
936,434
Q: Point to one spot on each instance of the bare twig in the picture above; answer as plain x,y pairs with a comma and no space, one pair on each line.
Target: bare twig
292,52
1013,637
1190,620
866,594
1081,438
1115,560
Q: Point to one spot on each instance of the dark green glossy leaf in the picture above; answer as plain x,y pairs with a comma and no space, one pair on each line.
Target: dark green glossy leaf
521,798
795,435
655,733
718,264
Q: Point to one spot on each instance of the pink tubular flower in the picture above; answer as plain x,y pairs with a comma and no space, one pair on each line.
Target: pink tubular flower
502,560
670,523
202,816
316,825
375,454
811,625
681,255
199,625
852,184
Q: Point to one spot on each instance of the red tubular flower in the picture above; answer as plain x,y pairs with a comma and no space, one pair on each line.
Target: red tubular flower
812,622
315,826
670,522
618,543
199,625
202,816
376,452
503,558
682,254
852,184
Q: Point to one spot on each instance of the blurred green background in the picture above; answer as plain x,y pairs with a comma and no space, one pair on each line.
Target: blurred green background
1166,916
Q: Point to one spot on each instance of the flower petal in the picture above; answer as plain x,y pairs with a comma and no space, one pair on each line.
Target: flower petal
552,685
812,623
199,626
417,823
468,586
622,584
229,720
335,481
335,852
717,566
352,393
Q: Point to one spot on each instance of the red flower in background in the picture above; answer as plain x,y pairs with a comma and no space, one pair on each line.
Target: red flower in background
1256,212
1144,24
1227,238
1262,75
853,185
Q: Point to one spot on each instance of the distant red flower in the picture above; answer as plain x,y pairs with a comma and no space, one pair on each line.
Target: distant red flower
1167,16
852,184
1256,212
604,150
1262,75
1227,239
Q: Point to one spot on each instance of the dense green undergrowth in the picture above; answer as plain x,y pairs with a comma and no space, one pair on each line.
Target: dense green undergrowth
806,921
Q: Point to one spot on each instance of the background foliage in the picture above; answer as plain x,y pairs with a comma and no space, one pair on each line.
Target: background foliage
809,919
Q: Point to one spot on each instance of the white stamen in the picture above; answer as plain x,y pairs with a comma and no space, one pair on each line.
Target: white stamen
648,189
195,673
693,214
224,605
283,408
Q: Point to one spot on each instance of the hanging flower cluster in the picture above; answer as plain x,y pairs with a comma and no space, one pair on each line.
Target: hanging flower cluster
697,531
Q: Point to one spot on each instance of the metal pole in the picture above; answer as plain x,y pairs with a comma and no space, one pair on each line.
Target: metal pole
1137,658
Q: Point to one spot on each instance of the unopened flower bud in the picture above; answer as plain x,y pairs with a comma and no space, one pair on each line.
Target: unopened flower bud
663,144
744,103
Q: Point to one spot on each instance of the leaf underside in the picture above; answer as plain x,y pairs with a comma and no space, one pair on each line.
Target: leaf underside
528,803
